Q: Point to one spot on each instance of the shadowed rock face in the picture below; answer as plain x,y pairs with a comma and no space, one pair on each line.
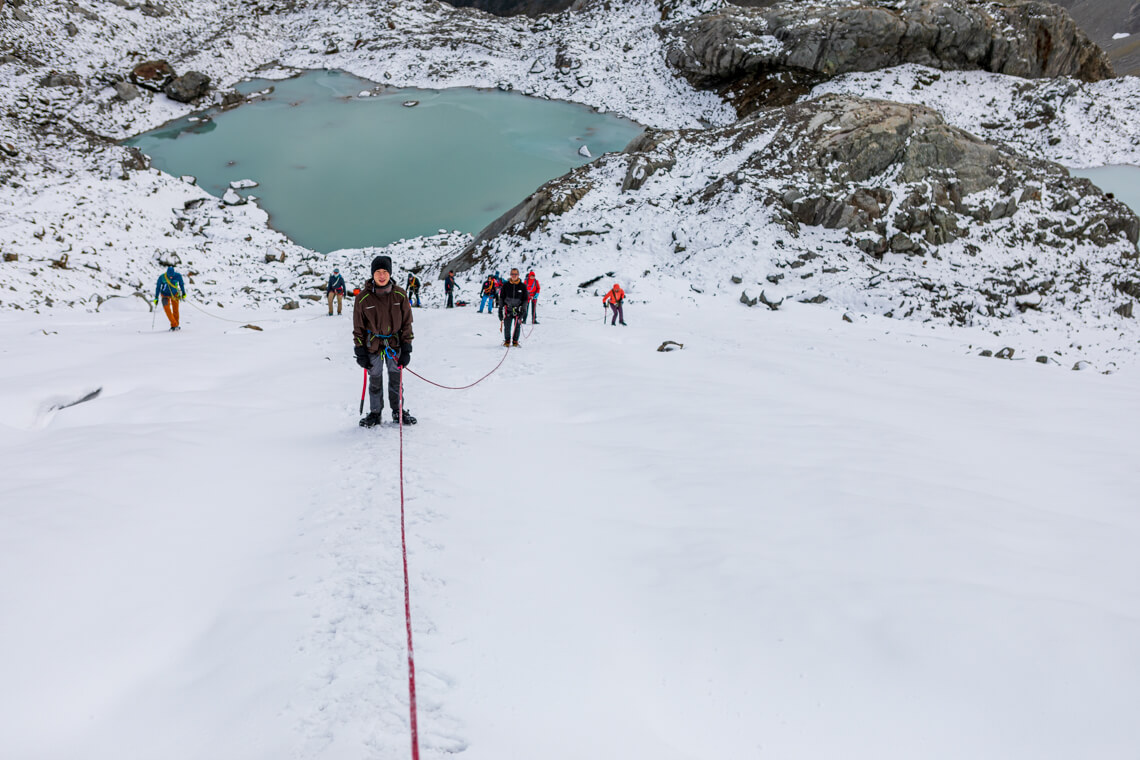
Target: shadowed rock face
514,7
1102,20
773,54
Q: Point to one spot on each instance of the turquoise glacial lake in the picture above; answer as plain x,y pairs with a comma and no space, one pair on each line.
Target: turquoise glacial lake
1122,181
337,170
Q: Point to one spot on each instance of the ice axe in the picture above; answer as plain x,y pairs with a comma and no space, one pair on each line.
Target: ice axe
363,390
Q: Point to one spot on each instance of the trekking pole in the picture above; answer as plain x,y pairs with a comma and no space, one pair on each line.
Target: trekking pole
153,314
363,390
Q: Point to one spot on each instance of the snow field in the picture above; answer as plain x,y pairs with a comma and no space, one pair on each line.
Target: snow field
794,538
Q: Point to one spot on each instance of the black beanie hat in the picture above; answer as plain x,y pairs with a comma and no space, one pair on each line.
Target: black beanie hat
382,262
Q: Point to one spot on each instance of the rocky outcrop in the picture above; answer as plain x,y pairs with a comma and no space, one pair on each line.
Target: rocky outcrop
773,55
865,185
554,198
896,175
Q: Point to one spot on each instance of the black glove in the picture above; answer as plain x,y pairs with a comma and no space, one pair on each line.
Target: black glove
405,354
363,358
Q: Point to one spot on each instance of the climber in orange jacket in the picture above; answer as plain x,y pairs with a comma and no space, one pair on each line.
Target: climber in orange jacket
614,298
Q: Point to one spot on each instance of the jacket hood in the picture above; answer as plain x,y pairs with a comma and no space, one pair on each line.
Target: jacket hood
170,271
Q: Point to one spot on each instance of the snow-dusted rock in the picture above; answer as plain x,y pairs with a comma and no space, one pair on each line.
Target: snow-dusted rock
231,198
125,91
56,79
1075,123
153,75
188,87
584,151
243,184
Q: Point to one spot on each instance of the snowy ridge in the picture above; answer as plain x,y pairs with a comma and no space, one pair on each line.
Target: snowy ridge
770,541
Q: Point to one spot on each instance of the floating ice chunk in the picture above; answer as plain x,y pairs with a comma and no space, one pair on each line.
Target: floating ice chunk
411,103
364,94
242,184
585,151
1121,35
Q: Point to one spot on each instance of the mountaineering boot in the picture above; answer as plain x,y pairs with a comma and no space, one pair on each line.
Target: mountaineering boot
372,419
515,343
408,418
506,343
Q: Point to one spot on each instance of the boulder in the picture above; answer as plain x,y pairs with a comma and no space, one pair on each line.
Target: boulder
771,55
125,91
152,75
154,10
56,79
188,87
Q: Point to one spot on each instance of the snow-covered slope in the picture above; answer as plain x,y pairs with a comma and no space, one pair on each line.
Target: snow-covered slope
795,537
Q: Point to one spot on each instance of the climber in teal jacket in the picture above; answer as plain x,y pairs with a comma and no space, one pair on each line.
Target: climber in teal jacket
171,289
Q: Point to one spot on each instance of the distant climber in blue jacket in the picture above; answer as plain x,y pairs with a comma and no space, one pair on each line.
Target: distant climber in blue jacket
171,289
335,290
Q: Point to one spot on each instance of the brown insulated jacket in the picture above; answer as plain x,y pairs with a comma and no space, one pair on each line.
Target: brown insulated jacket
377,315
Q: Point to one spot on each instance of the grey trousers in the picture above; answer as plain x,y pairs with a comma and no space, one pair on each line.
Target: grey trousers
376,383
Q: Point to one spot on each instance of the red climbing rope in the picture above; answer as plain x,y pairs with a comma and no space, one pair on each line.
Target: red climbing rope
462,387
404,544
407,593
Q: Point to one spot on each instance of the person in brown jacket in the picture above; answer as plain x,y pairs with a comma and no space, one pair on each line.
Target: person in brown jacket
382,338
